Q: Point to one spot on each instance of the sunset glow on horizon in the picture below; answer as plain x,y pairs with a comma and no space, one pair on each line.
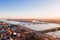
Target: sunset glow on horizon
30,9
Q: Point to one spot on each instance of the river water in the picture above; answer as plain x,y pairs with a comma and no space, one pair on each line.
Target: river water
37,27
56,33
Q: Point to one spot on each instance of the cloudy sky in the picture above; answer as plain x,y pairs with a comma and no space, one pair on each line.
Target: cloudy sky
30,8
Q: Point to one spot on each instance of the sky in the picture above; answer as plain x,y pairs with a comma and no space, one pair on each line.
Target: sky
30,8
